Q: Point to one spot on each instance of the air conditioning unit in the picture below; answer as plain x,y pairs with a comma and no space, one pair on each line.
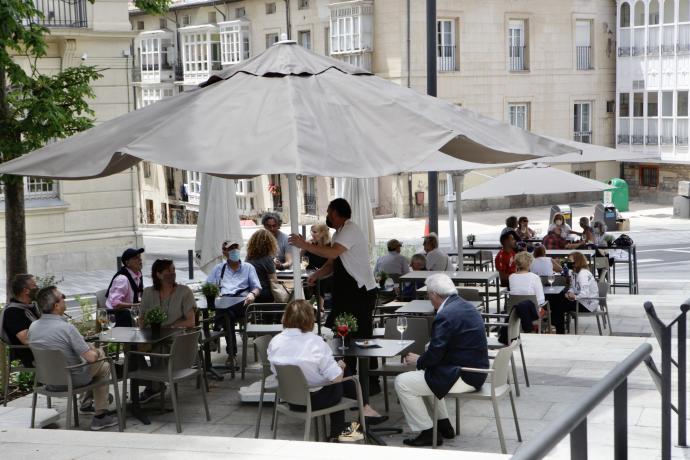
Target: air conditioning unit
684,188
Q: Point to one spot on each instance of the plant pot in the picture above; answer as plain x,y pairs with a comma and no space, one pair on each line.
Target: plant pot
211,303
156,330
382,284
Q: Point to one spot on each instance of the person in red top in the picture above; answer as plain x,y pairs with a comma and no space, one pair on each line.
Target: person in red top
554,240
505,259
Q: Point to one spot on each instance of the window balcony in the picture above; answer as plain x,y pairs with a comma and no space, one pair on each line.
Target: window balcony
517,57
352,27
62,13
200,53
652,139
234,41
36,188
683,45
584,57
623,139
668,45
583,136
156,57
445,58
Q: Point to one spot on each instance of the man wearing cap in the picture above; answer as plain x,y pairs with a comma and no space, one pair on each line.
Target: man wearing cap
436,260
234,279
126,287
393,263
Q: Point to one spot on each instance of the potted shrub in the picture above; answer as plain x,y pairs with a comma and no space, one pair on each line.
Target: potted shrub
470,239
210,291
154,318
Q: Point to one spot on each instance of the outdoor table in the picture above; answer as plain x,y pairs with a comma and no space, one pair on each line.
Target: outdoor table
128,337
553,290
387,348
479,277
424,307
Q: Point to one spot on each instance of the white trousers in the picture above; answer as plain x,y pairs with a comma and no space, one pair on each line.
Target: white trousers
416,399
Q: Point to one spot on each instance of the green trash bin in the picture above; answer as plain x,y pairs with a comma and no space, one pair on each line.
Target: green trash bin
618,195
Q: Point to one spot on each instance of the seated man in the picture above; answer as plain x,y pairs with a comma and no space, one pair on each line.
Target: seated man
555,240
235,279
52,331
505,259
392,263
18,315
458,339
436,260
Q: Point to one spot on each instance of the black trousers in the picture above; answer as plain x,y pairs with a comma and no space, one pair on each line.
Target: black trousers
559,306
227,318
330,396
123,317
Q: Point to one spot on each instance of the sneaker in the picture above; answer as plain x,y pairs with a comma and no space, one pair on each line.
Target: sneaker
351,434
87,407
103,422
148,394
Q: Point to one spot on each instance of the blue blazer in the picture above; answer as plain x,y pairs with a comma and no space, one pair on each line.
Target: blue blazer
458,339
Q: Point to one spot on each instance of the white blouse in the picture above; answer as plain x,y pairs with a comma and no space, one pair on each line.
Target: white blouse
586,287
306,350
527,284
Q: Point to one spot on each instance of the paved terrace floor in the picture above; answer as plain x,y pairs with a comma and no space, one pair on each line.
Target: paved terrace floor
561,370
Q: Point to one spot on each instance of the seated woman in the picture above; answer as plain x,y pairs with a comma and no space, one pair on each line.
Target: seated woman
409,289
298,345
584,289
261,247
559,221
543,265
523,230
176,300
524,282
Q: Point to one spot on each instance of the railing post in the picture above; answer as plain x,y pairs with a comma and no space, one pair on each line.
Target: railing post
682,377
666,394
578,441
620,421
190,261
118,262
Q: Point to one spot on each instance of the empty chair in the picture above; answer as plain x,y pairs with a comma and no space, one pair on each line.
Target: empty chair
294,390
514,326
602,312
494,390
182,363
260,319
486,260
471,294
53,378
8,368
261,345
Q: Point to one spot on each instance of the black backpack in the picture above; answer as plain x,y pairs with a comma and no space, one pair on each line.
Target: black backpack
623,241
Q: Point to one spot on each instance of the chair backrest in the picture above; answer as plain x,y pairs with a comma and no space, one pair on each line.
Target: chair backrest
417,330
261,344
515,299
514,326
292,385
50,367
100,299
603,286
469,293
185,350
501,364
254,314
601,262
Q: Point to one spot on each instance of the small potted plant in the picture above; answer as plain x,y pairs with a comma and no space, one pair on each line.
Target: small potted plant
470,239
344,324
154,319
210,291
382,277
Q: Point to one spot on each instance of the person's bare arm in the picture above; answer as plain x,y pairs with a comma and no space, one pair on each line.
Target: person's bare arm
556,266
329,252
92,355
23,337
322,272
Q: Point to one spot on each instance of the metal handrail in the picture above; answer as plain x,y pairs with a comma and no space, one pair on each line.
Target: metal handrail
573,421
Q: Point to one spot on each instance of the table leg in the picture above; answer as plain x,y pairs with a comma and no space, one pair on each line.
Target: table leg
210,371
134,407
372,437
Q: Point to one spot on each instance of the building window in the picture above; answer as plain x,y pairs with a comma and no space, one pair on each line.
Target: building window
151,95
610,106
442,187
310,195
304,38
163,23
186,20
140,25
518,115
35,188
582,122
649,176
327,41
583,45
212,17
271,39
682,118
200,53
445,52
146,165
584,173
517,44
270,8
303,4
652,118
234,42
638,119
193,186
240,12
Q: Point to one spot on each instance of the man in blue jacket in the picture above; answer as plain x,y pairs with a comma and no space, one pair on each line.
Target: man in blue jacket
458,340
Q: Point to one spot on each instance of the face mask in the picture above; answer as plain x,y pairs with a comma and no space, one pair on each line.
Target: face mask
559,222
329,223
234,255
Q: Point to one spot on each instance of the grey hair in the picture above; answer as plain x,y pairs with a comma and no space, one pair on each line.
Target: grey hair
600,225
271,215
441,285
47,298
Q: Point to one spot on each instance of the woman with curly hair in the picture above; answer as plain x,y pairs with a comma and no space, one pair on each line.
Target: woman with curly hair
261,248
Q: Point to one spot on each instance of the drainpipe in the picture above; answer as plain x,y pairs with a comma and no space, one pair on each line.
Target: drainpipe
409,44
287,19
221,13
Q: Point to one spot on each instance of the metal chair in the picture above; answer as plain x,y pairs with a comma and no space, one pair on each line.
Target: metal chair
514,325
253,325
486,259
515,299
293,389
417,330
261,345
492,391
8,368
53,378
184,362
603,308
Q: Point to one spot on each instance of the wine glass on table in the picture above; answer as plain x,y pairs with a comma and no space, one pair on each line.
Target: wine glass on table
551,279
135,316
342,331
304,262
401,325
112,319
102,318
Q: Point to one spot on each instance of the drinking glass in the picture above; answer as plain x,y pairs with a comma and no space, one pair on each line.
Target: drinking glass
102,318
111,322
135,317
342,331
304,262
401,326
551,279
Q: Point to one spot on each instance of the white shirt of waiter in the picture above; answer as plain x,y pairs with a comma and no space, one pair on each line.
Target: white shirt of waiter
356,258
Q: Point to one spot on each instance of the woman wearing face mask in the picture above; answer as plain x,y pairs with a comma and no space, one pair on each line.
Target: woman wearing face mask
176,300
559,221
